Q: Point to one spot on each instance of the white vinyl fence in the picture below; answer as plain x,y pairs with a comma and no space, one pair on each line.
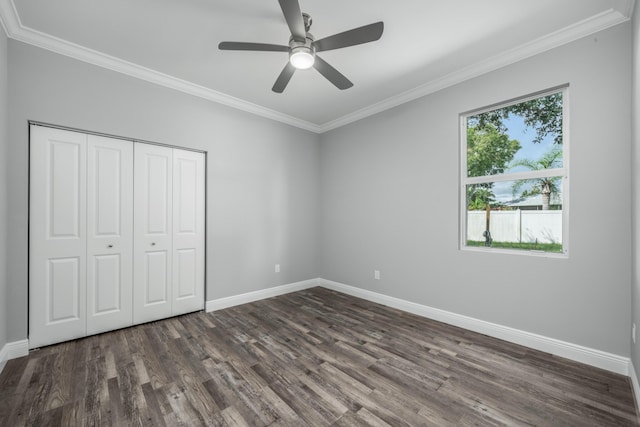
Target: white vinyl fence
517,226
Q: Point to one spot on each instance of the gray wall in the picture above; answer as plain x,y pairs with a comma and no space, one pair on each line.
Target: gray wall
389,201
262,182
384,190
635,121
4,320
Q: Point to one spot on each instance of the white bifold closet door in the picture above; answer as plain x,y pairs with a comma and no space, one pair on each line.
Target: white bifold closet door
109,234
188,231
57,236
116,234
153,224
169,232
80,235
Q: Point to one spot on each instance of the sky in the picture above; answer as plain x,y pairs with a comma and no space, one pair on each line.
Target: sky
525,135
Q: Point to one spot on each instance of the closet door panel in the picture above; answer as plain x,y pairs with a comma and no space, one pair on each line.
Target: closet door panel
57,236
188,231
107,287
153,232
157,284
63,290
109,234
184,273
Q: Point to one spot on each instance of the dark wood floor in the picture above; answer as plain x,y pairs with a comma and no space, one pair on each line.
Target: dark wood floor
314,358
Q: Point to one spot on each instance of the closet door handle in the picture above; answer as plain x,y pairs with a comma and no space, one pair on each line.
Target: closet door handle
109,246
153,243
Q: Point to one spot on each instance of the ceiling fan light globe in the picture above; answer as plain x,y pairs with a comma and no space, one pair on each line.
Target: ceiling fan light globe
301,58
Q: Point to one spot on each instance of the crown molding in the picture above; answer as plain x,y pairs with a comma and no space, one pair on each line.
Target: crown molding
566,35
17,31
626,7
8,16
14,29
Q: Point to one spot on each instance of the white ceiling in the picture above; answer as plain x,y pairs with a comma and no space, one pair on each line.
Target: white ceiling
426,45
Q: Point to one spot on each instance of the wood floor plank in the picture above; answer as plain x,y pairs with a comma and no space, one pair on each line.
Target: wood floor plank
183,407
303,404
72,414
228,388
309,358
231,417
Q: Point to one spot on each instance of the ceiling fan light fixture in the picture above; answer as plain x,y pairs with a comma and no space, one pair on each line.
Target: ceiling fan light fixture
302,57
303,46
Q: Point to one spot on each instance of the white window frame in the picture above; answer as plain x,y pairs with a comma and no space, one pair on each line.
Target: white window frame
562,172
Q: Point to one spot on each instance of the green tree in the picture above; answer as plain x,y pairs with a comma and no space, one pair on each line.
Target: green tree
479,196
489,152
544,114
544,186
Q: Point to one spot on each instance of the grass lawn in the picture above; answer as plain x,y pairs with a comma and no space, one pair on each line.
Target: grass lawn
545,247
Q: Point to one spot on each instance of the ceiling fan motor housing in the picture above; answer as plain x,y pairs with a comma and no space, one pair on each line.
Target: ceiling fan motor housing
304,51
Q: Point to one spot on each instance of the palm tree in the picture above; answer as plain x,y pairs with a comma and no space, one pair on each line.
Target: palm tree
544,186
479,196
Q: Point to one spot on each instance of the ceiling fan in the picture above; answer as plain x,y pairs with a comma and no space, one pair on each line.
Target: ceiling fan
303,47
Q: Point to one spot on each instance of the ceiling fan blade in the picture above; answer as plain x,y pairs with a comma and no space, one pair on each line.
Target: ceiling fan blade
283,79
293,16
263,47
365,34
331,74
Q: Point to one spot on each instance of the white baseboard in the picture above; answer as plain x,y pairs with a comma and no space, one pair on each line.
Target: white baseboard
611,362
220,303
12,350
589,356
635,385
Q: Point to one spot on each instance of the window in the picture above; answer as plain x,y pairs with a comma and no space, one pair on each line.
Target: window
514,176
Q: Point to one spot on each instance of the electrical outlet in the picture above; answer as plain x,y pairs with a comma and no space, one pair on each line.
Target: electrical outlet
633,333
376,274
277,268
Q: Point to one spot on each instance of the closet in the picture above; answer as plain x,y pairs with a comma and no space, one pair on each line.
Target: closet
116,233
